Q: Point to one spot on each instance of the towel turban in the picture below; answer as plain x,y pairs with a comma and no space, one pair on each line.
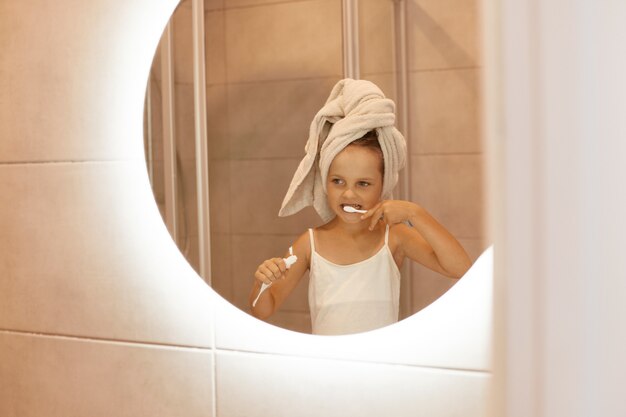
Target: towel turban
353,108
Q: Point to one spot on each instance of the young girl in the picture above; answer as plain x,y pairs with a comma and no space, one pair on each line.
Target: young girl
353,157
355,259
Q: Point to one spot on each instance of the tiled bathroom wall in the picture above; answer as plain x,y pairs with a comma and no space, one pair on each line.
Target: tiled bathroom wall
269,68
87,271
445,137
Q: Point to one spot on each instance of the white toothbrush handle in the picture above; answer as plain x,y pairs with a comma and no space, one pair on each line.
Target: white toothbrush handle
288,262
264,286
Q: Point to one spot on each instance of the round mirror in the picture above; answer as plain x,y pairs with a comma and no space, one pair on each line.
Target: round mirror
231,96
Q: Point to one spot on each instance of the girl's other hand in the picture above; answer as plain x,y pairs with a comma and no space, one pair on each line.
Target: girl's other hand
271,270
391,212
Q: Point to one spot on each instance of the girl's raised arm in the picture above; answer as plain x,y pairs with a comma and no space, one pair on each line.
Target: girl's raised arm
427,242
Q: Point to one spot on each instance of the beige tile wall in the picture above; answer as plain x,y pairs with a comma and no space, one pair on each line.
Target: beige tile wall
99,314
445,104
105,378
376,38
400,390
68,232
444,128
444,34
283,41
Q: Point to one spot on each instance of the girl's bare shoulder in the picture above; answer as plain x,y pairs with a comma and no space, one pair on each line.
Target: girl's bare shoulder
325,232
302,246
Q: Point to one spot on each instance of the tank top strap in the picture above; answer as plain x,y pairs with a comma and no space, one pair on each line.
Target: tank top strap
312,242
387,235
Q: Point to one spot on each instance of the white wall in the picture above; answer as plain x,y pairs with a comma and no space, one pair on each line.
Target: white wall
556,82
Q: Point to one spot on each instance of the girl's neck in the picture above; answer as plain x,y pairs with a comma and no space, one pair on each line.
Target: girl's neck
350,229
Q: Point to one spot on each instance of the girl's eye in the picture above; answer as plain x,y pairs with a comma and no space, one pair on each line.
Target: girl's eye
337,181
363,183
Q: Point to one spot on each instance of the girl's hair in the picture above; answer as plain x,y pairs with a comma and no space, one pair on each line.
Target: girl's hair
370,141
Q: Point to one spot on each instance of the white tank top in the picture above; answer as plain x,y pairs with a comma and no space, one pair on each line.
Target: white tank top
353,298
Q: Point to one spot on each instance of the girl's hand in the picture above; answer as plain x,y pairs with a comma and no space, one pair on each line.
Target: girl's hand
391,212
271,270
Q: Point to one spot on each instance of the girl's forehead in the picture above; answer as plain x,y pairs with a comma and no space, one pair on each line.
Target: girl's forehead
355,159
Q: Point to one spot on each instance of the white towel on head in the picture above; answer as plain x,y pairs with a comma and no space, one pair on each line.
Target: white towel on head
353,108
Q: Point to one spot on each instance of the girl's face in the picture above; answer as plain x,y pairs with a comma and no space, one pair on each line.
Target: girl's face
354,178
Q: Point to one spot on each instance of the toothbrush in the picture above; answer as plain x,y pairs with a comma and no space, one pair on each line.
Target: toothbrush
290,260
351,209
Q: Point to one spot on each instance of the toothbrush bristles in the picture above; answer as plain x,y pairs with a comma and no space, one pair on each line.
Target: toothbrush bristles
351,209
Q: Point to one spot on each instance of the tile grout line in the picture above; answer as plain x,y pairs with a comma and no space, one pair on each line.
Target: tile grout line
215,350
443,69
252,6
214,362
237,83
68,162
299,157
104,340
357,361
329,77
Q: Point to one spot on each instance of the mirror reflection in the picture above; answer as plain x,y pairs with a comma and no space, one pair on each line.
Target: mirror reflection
269,69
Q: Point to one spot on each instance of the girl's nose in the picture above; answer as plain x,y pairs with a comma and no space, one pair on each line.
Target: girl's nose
349,193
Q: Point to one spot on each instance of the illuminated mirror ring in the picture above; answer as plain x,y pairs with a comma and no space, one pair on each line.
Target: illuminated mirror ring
403,340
